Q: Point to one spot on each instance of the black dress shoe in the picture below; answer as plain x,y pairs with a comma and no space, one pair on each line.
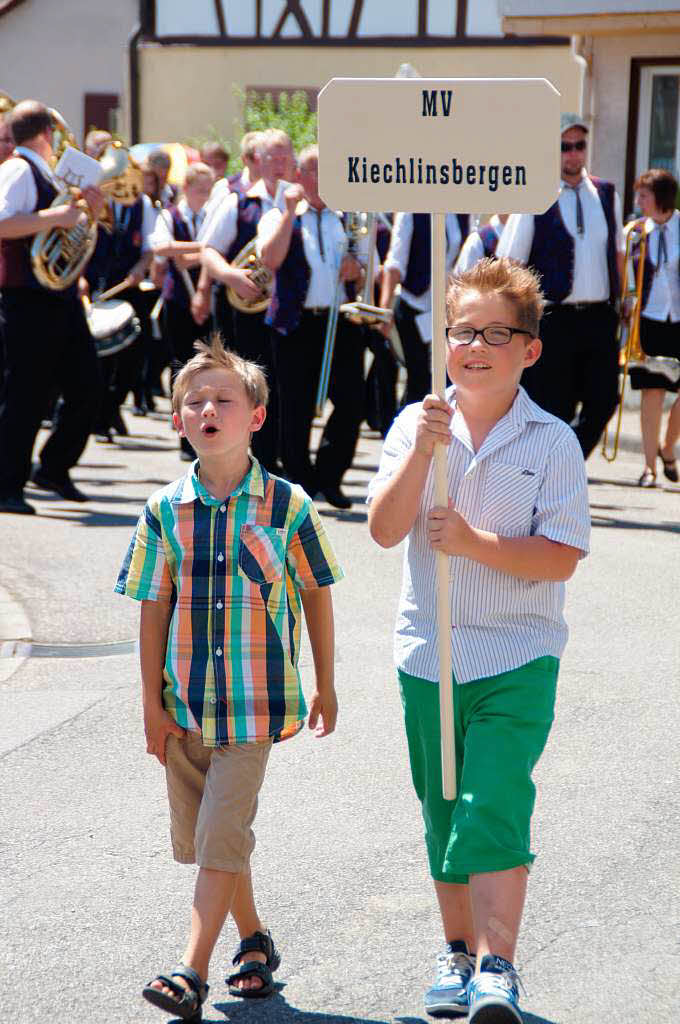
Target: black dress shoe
15,504
118,424
335,497
65,487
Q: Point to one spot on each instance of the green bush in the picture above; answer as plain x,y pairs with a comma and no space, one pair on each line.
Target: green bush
291,114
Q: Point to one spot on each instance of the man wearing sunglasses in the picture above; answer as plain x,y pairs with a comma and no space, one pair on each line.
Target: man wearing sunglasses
577,248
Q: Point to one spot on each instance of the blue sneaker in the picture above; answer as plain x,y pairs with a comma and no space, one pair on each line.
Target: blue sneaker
493,993
448,996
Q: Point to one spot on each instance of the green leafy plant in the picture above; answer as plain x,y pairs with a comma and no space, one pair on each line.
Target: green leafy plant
291,113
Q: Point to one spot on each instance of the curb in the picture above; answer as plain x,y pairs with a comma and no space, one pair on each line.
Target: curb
14,626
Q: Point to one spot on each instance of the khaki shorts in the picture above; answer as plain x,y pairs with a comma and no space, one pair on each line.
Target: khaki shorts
213,800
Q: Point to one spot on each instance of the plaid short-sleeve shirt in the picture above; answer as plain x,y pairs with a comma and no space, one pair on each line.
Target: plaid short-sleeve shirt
233,571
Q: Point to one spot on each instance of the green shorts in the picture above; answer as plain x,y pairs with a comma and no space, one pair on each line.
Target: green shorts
501,727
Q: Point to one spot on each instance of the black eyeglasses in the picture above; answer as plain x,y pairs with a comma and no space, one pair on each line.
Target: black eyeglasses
491,335
578,146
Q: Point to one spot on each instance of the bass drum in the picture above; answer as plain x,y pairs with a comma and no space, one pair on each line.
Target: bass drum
113,325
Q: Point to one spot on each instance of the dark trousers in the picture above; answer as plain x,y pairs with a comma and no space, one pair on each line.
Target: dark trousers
381,382
46,343
298,358
181,331
579,363
124,371
416,353
251,339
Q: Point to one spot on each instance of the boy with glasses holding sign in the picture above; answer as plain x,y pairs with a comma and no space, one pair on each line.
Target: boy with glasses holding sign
515,528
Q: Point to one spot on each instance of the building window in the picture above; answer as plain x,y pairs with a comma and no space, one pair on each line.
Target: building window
101,111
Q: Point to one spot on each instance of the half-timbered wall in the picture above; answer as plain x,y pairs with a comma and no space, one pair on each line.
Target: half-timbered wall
191,54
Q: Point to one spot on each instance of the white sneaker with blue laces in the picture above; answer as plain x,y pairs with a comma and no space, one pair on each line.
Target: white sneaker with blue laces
448,996
493,994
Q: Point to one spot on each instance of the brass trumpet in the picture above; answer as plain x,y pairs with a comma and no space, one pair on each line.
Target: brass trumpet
363,311
630,350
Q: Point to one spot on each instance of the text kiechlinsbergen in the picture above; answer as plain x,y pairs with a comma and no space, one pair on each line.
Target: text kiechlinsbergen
415,171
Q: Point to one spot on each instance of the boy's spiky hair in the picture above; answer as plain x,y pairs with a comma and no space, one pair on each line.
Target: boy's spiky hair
503,277
214,356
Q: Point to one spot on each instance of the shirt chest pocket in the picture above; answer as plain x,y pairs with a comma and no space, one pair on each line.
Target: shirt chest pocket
261,553
509,499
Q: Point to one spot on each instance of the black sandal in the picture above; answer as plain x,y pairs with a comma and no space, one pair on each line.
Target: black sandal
263,942
670,468
189,1001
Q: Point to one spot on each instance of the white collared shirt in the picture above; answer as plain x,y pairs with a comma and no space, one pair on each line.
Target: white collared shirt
163,232
591,273
663,301
220,224
473,247
400,247
527,479
18,193
323,269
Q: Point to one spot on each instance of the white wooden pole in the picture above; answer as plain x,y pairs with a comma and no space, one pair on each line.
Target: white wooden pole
441,497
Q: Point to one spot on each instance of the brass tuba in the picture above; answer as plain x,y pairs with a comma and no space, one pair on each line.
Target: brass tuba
247,259
59,255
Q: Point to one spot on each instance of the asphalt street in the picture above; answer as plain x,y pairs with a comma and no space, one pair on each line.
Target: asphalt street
93,905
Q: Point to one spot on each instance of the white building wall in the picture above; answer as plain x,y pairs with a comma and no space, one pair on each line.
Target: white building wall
56,51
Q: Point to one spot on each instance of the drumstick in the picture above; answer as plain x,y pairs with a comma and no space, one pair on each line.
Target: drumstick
441,498
115,290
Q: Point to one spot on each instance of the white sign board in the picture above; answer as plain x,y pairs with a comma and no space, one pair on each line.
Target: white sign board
439,145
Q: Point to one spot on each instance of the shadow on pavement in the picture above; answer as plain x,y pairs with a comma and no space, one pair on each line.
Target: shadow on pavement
81,517
345,517
276,1009
631,524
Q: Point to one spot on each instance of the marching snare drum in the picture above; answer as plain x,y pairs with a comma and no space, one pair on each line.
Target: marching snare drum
113,325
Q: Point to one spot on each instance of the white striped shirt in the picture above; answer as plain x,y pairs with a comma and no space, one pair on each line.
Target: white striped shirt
527,479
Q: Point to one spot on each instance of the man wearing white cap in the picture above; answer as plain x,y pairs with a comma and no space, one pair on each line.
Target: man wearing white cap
577,248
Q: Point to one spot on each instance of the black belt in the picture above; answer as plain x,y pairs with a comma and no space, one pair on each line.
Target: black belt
316,310
577,307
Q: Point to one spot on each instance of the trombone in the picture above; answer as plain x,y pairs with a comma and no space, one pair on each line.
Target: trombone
630,350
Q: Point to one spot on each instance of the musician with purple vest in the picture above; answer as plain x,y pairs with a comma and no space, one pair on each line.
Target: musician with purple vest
176,267
407,268
655,194
305,245
44,333
577,248
481,243
230,228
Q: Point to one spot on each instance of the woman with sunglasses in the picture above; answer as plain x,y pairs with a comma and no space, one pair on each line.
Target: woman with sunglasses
577,248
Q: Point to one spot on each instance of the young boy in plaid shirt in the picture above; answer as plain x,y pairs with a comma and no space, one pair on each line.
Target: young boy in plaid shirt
224,560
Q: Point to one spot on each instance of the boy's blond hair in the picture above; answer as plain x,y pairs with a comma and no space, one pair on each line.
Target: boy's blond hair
195,171
510,281
214,356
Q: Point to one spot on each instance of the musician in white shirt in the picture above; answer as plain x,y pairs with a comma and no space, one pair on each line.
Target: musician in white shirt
576,246
305,245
